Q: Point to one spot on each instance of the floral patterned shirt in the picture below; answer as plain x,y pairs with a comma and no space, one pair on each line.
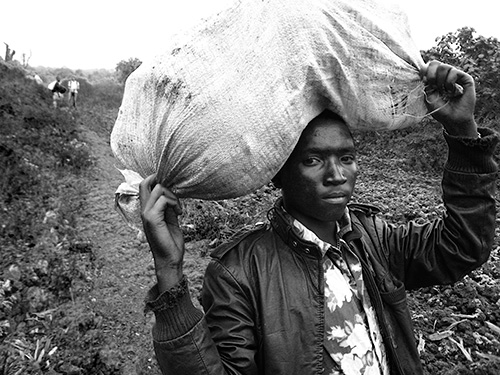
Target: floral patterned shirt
353,343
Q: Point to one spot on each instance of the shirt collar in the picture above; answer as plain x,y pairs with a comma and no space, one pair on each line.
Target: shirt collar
343,226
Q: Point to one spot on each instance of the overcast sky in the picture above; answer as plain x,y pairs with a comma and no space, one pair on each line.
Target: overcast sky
99,33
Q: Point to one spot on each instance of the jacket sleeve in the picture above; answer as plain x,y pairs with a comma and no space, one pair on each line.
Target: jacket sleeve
444,250
187,342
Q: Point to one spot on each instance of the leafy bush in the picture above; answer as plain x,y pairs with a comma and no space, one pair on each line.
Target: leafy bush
125,67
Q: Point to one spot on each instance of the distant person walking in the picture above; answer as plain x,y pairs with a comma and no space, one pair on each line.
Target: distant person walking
73,86
57,91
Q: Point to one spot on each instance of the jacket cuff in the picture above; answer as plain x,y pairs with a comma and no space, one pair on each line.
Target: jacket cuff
472,155
174,311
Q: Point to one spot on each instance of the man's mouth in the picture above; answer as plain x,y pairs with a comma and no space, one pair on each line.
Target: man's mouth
335,197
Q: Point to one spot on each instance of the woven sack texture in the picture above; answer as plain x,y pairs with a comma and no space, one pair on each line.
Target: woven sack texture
217,114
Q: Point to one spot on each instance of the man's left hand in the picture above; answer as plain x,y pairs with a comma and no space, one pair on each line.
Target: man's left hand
451,98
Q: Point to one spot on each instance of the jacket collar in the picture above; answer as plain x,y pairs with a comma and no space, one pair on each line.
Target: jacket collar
282,223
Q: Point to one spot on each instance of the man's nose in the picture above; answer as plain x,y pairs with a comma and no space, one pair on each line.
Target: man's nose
335,173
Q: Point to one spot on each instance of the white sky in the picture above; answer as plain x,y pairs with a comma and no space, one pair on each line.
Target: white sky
99,33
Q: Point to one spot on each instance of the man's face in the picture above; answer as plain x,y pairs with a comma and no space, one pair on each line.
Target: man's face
318,178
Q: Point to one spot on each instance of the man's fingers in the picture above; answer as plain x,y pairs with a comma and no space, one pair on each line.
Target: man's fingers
145,188
166,199
171,198
429,73
442,73
446,80
151,193
451,80
436,75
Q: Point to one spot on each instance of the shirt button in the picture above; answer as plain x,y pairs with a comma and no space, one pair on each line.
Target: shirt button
294,243
307,251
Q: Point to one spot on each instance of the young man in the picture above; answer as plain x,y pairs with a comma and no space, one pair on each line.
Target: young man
57,92
322,288
73,86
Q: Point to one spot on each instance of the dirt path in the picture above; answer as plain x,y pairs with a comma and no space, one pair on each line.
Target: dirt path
124,269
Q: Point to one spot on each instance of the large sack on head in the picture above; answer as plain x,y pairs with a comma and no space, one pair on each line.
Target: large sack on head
218,113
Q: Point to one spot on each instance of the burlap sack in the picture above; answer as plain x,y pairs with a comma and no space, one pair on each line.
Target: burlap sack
218,113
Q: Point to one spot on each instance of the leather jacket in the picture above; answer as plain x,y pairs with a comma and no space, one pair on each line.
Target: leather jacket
263,293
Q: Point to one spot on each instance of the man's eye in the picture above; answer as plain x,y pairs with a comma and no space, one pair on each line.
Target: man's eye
310,161
348,159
